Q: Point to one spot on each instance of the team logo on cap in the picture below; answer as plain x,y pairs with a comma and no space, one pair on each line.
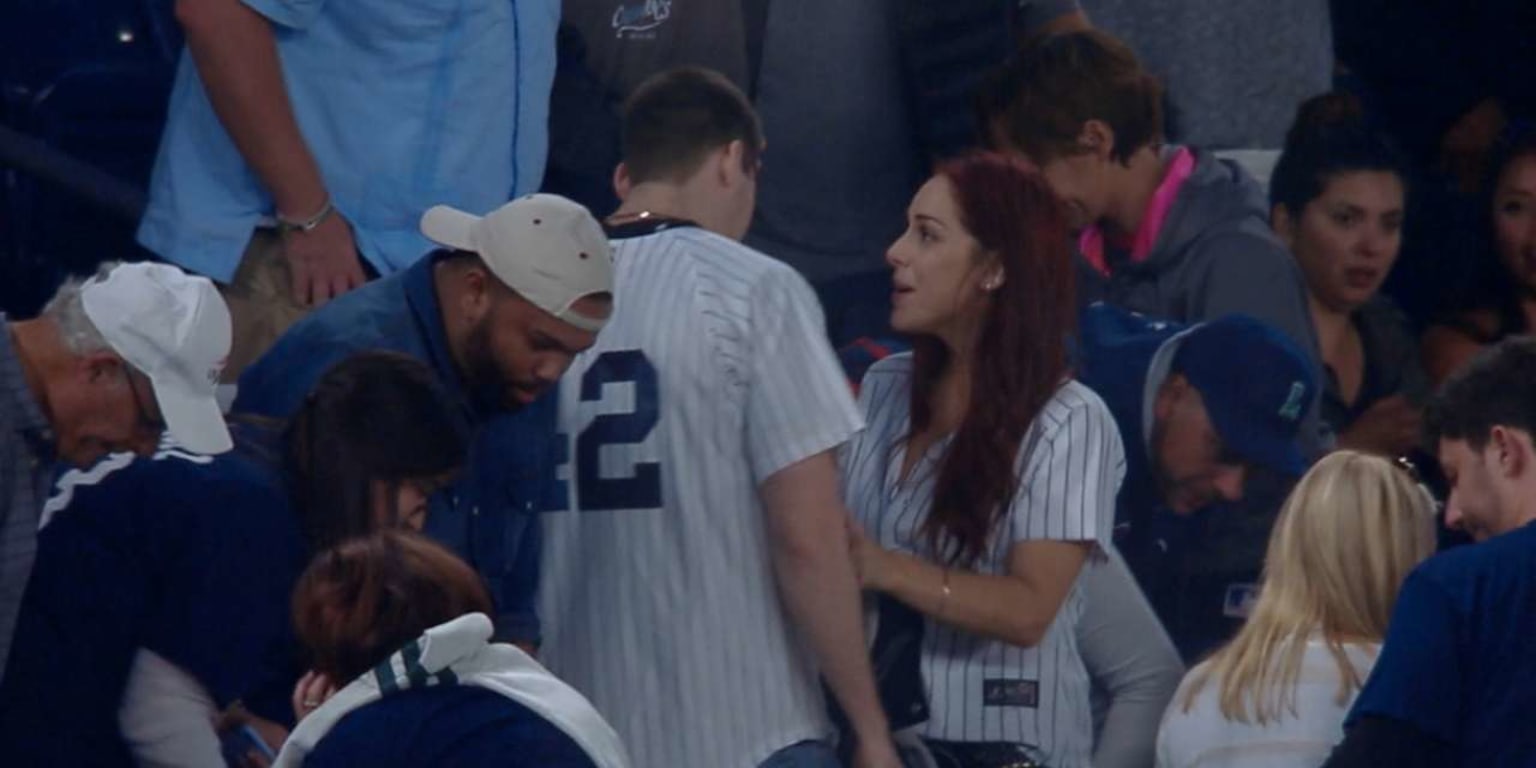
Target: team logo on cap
1291,411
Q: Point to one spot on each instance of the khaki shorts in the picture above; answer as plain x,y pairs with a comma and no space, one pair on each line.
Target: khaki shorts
260,301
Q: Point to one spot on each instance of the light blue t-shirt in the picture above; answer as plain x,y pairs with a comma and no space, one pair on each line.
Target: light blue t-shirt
403,104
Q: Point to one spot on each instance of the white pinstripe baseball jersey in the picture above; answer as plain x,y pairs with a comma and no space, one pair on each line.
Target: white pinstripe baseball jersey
1072,463
658,598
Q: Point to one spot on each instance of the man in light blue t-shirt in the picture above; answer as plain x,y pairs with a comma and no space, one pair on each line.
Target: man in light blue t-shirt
306,138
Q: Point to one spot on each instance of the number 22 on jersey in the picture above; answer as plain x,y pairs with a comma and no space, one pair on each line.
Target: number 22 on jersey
641,489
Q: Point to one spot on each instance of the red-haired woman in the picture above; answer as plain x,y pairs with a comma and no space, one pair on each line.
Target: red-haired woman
407,623
986,478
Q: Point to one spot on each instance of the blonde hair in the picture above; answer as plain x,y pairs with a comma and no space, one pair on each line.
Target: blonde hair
1346,538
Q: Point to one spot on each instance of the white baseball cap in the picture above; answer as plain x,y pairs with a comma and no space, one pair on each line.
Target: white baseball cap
547,248
175,329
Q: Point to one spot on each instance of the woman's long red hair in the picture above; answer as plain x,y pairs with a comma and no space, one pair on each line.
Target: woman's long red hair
1020,354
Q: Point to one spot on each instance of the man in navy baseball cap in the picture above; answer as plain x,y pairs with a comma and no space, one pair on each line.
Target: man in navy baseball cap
1204,410
1253,385
1206,403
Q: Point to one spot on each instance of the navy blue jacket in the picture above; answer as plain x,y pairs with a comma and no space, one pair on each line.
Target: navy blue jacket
191,557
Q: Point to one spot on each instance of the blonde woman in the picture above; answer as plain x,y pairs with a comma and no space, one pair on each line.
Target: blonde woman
1277,694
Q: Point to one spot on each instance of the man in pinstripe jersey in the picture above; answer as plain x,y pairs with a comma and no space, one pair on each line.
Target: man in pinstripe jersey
702,579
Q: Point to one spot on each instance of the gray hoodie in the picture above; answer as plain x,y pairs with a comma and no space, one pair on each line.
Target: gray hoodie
1215,255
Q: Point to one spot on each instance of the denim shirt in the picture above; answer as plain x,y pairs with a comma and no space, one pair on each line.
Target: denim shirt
403,105
490,515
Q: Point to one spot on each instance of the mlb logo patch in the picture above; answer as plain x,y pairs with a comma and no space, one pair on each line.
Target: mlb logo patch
1011,693
1239,600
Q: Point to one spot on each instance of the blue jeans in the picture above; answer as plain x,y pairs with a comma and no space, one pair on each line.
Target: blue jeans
806,754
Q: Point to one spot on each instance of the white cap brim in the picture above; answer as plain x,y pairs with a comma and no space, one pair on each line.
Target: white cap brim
194,420
450,228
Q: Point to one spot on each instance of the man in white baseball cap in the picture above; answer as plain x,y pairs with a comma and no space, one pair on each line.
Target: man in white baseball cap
499,312
111,363
119,358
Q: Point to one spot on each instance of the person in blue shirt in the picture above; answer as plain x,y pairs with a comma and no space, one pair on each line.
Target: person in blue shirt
498,313
1455,683
400,623
1203,409
193,559
304,139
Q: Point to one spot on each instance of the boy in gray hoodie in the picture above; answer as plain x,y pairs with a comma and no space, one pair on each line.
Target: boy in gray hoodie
1163,230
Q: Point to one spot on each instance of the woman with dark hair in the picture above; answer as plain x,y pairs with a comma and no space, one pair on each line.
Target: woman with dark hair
162,585
1498,297
987,476
359,456
408,624
1337,199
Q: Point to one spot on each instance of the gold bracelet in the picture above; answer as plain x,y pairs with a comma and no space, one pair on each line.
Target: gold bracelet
944,592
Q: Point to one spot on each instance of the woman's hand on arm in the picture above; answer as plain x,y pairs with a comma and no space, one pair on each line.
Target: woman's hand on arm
1017,607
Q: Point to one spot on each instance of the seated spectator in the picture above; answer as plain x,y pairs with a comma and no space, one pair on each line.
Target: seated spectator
167,580
1201,409
1338,201
1165,230
1499,298
985,483
1276,695
408,624
1456,680
498,312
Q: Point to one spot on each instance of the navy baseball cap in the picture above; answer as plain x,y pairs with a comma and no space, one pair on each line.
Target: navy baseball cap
1257,386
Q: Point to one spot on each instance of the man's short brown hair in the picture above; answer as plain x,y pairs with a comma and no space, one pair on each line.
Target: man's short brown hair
676,118
1039,101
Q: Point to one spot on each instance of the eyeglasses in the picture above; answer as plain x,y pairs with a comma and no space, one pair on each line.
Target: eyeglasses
1406,465
147,423
1411,469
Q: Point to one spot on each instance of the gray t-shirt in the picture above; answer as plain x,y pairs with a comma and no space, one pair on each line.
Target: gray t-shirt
844,156
630,40
1235,69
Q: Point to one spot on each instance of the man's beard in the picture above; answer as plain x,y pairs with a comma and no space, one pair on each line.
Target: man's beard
1155,448
1168,487
482,377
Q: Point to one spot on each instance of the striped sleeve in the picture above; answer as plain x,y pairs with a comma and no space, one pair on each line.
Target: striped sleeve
798,403
1075,465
